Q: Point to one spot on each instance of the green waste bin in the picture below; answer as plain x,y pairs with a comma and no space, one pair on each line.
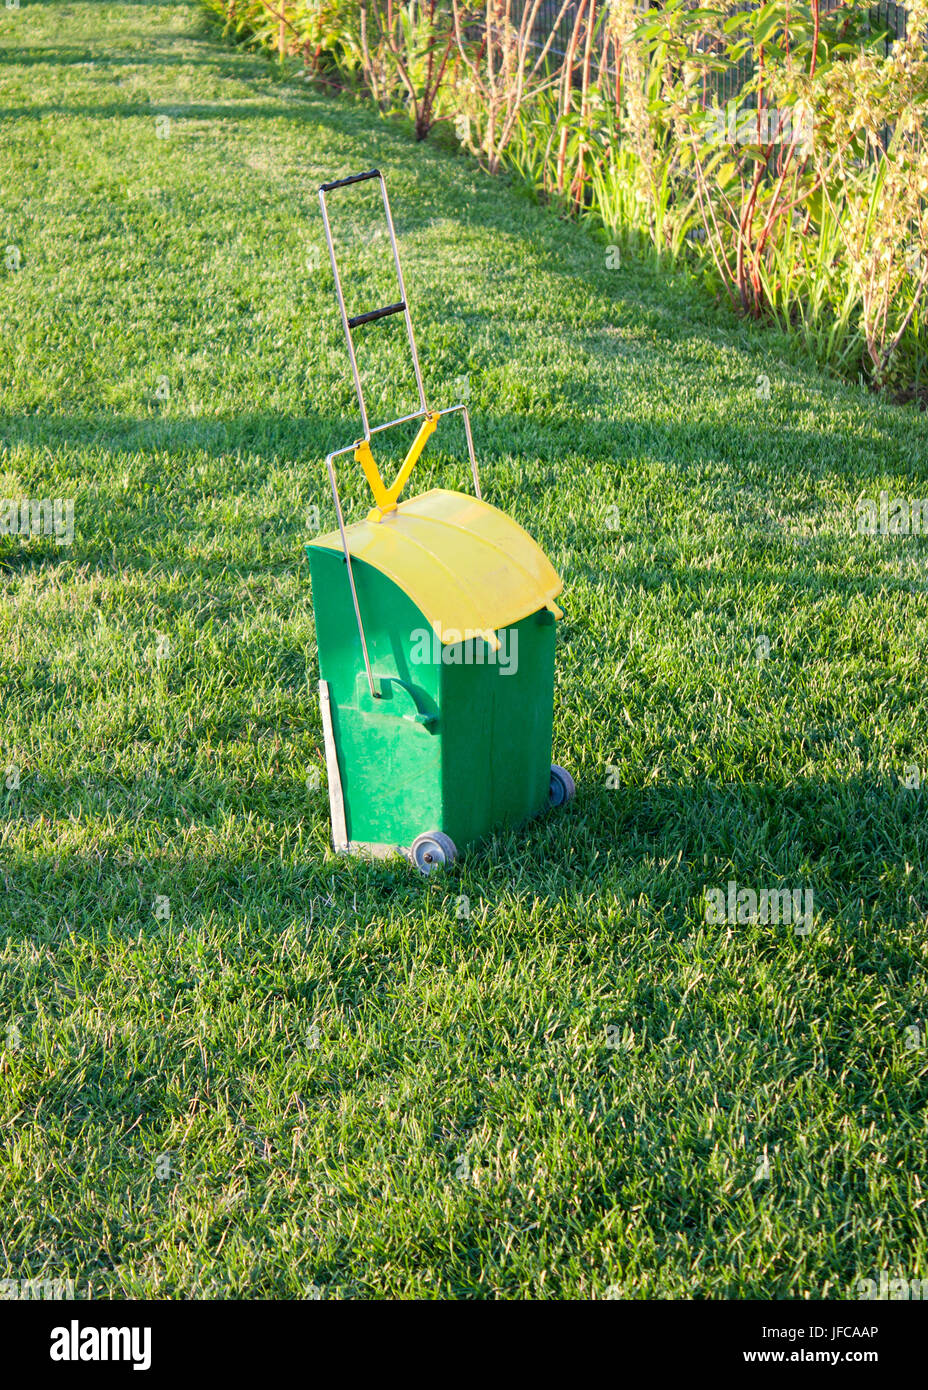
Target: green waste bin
435,627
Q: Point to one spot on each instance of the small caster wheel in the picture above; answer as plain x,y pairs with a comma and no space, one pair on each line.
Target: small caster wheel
431,851
563,786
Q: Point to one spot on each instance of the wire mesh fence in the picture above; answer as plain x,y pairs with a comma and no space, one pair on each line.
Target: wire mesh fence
552,16
888,16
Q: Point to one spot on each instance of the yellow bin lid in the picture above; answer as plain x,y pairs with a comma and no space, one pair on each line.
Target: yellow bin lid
465,565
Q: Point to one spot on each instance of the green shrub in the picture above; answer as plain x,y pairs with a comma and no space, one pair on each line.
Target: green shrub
802,197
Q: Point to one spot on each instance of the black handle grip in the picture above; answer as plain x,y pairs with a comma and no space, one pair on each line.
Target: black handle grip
352,178
373,314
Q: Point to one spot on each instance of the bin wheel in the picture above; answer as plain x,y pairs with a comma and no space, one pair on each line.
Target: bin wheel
563,786
431,851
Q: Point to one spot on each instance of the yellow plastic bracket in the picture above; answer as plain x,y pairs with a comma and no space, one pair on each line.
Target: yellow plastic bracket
365,458
386,498
426,429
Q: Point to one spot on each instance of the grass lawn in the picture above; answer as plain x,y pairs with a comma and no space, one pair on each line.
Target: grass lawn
236,1065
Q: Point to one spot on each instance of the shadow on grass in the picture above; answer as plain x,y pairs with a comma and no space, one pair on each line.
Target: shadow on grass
517,455
771,449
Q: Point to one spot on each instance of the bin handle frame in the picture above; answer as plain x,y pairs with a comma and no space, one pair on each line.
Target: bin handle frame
361,449
402,306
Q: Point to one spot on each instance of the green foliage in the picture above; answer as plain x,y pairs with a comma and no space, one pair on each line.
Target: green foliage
801,194
653,156
407,55
324,34
812,183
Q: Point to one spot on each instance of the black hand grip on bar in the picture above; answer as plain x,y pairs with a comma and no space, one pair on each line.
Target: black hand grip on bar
352,178
373,314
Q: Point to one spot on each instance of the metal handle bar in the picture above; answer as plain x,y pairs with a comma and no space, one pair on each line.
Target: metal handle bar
402,306
352,178
373,314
